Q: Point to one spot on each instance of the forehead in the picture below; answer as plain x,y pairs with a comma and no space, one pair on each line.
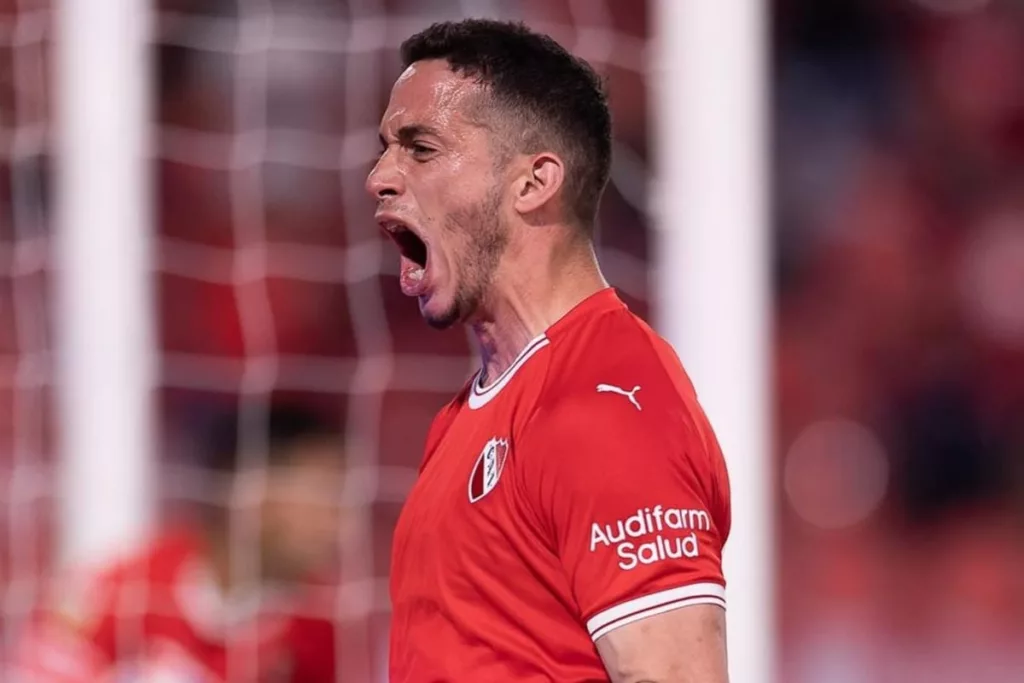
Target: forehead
429,93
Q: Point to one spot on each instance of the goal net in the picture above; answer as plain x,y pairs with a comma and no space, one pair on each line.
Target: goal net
27,505
270,274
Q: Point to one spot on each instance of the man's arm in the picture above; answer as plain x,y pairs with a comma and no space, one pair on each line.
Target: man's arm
685,645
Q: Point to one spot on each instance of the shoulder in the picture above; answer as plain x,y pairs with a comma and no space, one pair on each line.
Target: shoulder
618,404
618,370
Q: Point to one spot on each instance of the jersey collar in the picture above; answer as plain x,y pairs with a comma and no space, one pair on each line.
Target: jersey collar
605,299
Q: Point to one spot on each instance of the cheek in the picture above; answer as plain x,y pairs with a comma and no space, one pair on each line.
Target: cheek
451,265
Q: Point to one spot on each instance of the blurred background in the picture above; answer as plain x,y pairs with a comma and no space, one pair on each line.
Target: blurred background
897,263
899,339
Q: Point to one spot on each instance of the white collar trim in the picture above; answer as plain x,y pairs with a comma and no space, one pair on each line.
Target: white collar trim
480,396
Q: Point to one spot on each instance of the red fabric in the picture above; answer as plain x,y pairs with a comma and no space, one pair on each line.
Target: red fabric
154,615
499,562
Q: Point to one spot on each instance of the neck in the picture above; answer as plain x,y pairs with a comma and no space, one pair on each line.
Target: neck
533,290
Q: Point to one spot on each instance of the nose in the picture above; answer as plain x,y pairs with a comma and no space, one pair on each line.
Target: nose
385,180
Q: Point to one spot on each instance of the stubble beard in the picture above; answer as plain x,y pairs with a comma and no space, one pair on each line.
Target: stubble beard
476,263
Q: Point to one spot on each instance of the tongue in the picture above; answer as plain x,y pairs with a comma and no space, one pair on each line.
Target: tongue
412,278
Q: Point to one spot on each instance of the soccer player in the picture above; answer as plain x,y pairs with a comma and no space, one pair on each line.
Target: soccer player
176,611
569,516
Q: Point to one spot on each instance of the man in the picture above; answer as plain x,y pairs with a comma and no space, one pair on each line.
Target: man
572,504
190,607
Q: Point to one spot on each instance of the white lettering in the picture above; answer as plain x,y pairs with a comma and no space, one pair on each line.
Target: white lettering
665,548
657,517
659,549
689,545
625,551
635,526
703,522
648,553
646,522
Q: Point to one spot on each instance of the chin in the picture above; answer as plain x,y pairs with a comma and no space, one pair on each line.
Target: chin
439,316
441,321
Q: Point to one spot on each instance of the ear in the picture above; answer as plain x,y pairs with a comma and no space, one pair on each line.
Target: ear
540,181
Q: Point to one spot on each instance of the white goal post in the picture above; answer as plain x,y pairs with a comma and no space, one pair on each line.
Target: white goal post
104,339
711,277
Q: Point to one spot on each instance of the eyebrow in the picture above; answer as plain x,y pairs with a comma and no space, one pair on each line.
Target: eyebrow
409,132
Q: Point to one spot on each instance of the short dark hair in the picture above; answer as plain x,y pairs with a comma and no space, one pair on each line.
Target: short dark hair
558,99
279,428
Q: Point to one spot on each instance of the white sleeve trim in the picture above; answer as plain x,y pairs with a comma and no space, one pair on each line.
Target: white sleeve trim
655,603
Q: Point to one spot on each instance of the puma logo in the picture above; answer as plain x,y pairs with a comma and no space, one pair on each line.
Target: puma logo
611,388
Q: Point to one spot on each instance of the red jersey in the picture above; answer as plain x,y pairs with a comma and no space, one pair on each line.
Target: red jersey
581,491
158,616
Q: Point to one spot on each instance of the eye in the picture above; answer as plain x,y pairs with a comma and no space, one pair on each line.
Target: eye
420,150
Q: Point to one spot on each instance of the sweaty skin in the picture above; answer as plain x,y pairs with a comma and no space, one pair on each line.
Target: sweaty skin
431,177
499,255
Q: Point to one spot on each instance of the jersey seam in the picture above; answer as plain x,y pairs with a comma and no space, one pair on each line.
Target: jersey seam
687,421
547,375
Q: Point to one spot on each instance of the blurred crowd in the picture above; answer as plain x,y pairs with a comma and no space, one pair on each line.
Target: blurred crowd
899,377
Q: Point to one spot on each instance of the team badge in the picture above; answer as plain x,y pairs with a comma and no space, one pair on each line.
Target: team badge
487,469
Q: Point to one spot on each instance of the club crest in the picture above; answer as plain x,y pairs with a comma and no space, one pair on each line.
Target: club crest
487,469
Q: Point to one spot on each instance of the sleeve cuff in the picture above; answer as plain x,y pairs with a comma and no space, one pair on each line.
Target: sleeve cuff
627,612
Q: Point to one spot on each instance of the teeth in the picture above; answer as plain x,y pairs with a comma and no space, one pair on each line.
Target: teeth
416,274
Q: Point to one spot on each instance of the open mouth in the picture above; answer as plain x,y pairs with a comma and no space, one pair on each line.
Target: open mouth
413,272
409,243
